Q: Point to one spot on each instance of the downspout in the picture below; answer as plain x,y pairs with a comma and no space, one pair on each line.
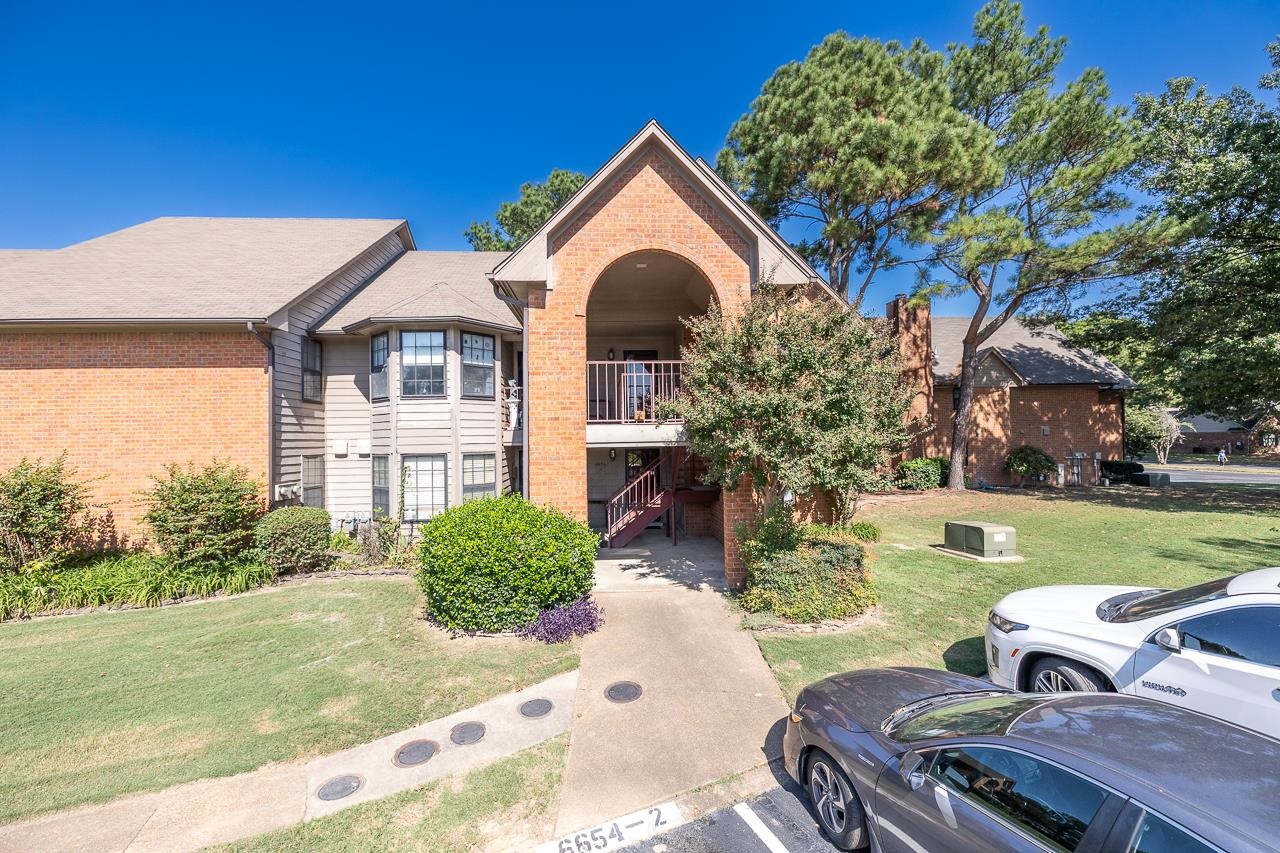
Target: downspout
271,426
524,382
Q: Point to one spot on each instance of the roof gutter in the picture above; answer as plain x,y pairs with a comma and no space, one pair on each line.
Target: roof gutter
120,321
271,396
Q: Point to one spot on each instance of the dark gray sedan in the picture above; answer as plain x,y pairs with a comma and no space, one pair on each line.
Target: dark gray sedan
921,760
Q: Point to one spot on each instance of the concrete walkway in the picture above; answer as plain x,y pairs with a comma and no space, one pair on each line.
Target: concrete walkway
710,706
217,811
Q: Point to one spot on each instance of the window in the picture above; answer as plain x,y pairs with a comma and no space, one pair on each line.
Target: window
422,364
1244,633
955,397
313,481
1156,835
477,365
379,346
312,376
426,486
479,475
381,485
1048,803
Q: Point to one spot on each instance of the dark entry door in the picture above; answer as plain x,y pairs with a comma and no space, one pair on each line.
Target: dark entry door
637,459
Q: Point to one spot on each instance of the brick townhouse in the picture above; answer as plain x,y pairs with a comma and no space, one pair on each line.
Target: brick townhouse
346,368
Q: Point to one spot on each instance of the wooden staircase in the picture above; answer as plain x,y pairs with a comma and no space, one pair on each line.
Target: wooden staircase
643,501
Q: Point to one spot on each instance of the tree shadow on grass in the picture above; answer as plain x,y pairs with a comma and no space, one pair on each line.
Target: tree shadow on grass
1179,497
1257,553
967,656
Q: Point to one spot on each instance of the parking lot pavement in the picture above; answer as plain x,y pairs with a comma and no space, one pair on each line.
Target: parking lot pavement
777,821
1230,474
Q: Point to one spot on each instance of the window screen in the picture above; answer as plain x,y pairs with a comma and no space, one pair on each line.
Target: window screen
479,475
422,364
379,347
477,365
426,486
313,481
312,375
381,485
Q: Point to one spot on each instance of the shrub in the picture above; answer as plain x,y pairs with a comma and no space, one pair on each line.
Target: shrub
344,542
774,531
563,623
294,539
494,564
858,531
824,579
1120,470
1028,461
203,515
43,512
930,472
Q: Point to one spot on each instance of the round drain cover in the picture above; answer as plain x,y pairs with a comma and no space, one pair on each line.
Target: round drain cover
339,787
415,752
465,734
536,708
623,691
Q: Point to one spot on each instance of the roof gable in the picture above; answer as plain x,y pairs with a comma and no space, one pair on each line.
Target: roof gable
1035,355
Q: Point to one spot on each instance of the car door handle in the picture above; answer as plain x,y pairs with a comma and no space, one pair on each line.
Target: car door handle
1275,694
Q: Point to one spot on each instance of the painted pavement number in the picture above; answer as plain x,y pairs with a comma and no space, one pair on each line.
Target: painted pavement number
614,834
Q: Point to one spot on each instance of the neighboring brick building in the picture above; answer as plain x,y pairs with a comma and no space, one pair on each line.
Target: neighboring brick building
347,369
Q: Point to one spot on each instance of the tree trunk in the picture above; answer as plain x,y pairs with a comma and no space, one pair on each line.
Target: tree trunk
963,414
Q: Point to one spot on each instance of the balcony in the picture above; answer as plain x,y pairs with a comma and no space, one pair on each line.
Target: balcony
623,401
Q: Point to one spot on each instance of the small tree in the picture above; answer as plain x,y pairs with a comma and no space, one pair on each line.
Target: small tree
1142,429
43,511
1169,435
517,220
793,394
203,515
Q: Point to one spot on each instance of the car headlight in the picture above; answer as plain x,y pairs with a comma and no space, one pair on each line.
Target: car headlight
1004,625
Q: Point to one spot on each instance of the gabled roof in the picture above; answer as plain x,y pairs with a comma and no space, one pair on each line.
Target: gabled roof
184,269
1036,356
531,261
426,287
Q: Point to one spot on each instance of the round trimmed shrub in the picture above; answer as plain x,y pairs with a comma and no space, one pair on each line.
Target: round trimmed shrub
494,564
294,539
1028,461
924,473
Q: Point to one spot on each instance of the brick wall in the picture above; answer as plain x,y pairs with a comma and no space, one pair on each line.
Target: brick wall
123,404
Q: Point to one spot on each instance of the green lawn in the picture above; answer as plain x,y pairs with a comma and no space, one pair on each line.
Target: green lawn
104,704
934,607
507,805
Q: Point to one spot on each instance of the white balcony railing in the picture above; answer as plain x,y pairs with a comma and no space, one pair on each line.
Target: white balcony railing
629,392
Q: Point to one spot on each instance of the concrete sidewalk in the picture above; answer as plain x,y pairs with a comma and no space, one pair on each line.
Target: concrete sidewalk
710,707
217,811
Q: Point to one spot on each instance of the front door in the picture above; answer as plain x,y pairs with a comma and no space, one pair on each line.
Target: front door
636,460
637,384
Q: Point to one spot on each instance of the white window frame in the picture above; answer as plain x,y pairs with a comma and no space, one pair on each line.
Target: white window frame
486,489
408,360
488,345
385,488
412,510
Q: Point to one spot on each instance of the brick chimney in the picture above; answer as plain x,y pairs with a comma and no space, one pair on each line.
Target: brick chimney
915,343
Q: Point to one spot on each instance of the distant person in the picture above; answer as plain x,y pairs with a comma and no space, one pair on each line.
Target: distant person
1222,456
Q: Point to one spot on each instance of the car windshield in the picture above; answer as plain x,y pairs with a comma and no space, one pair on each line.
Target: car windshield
1174,599
990,715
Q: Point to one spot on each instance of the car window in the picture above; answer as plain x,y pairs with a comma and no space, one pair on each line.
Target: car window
1173,599
1245,633
1052,805
1156,835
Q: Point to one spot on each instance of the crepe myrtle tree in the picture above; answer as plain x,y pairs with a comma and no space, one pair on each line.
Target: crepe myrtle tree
1053,224
798,395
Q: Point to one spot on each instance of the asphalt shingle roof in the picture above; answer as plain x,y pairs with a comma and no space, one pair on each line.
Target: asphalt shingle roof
1040,356
183,268
425,286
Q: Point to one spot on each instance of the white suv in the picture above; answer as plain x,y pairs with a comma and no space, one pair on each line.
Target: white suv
1213,647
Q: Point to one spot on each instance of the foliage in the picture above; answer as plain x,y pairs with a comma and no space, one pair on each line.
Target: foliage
821,579
517,220
862,139
1120,470
1050,227
344,542
137,579
43,512
774,530
794,394
1169,432
929,472
858,531
294,539
1130,343
562,623
1142,428
203,515
1028,461
493,564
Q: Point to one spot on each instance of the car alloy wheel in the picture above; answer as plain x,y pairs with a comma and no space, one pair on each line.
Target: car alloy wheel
1052,681
828,798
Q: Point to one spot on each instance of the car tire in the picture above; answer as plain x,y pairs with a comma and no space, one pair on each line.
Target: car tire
1059,675
836,804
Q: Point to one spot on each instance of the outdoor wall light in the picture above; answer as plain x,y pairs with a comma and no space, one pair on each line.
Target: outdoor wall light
611,353
613,454
789,497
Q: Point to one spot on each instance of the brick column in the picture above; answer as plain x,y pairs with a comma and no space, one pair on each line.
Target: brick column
556,407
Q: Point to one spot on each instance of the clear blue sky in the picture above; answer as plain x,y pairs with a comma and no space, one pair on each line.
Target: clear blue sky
113,113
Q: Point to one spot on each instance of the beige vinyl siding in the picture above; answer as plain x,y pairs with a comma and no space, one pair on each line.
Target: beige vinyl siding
349,483
299,425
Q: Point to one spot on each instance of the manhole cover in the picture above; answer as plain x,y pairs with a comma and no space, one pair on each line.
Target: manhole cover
339,787
464,734
623,691
415,752
536,708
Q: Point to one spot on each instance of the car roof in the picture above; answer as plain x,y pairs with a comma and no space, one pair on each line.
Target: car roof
1262,580
1205,764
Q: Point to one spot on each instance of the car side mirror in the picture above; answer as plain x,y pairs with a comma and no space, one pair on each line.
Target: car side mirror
911,766
1168,639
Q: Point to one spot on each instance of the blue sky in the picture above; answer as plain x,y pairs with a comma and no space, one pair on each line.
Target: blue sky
111,114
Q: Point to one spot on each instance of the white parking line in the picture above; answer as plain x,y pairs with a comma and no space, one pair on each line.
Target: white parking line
757,826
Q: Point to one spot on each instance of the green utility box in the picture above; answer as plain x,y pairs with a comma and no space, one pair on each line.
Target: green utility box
979,539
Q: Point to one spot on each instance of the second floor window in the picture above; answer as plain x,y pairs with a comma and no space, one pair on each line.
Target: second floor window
379,346
312,371
422,364
477,365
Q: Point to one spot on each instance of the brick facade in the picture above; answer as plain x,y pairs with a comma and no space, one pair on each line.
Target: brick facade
124,404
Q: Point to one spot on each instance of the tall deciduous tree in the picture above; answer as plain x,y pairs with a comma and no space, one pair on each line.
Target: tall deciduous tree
517,220
797,395
1047,229
861,144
